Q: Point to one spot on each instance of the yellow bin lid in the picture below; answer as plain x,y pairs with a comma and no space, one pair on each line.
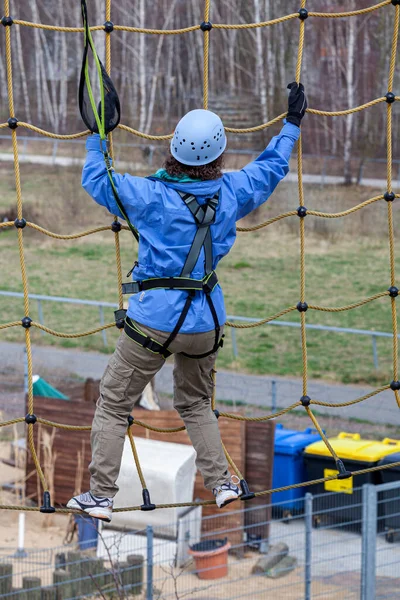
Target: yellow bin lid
353,447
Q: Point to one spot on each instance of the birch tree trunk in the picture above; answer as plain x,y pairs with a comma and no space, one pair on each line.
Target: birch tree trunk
22,74
347,149
142,69
37,50
260,68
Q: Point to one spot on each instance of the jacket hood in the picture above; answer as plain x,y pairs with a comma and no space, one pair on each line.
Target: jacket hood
197,188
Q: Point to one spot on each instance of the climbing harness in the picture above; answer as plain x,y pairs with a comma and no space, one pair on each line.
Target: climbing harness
204,216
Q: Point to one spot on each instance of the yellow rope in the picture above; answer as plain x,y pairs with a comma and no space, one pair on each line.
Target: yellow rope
349,306
230,461
389,133
211,502
73,236
351,402
71,335
315,213
262,322
206,54
235,130
136,457
282,19
12,324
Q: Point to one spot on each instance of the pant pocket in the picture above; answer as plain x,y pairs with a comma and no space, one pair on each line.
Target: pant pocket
207,374
115,381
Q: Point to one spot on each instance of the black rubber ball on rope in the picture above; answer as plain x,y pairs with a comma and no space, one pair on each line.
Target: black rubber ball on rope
396,2
303,14
12,123
390,97
7,21
108,26
130,420
389,196
393,291
30,419
206,26
116,226
302,211
26,322
305,400
302,306
216,413
395,385
20,223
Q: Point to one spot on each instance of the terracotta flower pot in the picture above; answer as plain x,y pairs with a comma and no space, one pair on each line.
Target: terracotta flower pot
211,558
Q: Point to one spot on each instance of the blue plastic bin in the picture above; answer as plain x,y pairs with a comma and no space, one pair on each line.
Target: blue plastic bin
87,531
289,466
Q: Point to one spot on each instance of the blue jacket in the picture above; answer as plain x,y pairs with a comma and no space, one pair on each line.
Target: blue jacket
167,227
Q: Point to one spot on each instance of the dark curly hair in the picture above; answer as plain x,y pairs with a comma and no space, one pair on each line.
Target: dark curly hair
212,170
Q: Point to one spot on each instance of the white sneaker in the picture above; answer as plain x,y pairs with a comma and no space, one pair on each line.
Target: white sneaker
99,508
226,493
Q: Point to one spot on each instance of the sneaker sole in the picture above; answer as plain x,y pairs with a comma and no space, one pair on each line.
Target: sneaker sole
95,512
228,501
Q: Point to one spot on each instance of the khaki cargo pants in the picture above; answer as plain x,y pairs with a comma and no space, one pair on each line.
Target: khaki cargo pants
128,372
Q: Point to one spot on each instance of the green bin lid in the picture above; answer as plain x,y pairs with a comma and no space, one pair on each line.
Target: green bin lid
351,446
42,388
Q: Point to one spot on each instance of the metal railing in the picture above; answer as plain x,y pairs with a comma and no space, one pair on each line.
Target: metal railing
150,150
233,318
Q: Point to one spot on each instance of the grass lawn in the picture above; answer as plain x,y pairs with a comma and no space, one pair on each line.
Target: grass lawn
346,260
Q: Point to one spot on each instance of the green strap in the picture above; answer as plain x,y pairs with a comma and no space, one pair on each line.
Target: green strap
100,119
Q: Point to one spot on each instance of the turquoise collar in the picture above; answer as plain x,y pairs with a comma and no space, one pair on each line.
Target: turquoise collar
163,175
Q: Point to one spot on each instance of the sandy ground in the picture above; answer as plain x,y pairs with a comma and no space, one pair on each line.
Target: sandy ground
39,532
239,583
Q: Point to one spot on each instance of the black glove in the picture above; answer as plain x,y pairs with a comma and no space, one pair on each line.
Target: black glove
297,103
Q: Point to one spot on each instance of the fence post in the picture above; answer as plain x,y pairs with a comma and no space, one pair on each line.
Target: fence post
368,542
40,314
26,375
149,587
375,351
323,174
234,342
103,333
273,394
55,148
308,510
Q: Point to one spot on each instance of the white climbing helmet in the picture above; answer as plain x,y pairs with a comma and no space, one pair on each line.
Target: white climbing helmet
199,138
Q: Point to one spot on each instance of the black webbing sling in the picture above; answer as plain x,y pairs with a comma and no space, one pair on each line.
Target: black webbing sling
204,215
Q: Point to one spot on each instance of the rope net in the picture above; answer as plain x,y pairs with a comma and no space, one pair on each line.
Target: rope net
205,29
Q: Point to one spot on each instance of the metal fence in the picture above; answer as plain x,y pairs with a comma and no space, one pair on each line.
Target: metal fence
374,335
326,545
321,165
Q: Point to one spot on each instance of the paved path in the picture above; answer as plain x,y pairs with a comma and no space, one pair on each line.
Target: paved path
67,161
238,387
